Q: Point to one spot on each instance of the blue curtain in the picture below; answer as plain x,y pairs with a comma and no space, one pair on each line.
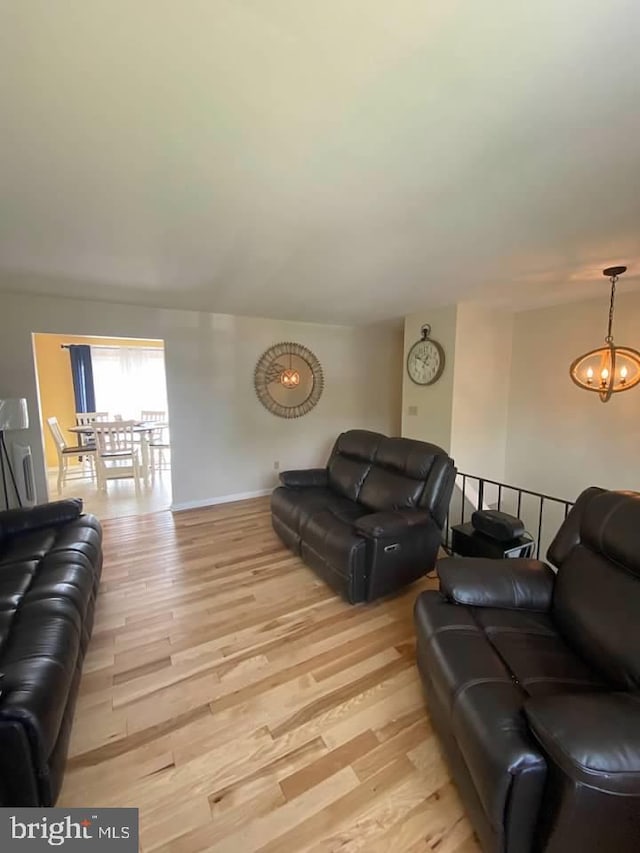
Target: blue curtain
82,373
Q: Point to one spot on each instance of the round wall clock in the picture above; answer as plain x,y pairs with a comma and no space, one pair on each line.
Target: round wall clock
425,361
288,380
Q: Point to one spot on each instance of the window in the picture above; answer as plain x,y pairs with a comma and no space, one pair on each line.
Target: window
128,380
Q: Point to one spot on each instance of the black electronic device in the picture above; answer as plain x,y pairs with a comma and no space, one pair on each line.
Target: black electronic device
497,525
467,542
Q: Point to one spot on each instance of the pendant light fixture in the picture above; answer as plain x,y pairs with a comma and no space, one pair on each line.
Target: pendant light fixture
608,369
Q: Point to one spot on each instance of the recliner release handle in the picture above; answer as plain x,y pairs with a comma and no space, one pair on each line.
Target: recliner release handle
394,547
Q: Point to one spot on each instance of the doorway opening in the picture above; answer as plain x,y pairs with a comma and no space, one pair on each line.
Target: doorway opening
105,422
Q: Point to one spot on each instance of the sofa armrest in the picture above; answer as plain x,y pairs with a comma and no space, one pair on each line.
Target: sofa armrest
509,584
593,737
305,478
392,522
14,521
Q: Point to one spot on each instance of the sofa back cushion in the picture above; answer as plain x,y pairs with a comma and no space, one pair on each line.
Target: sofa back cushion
409,474
351,459
391,473
596,600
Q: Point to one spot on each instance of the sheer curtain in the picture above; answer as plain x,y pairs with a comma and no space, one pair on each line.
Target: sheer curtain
129,379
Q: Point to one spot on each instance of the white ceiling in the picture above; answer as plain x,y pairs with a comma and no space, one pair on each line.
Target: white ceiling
325,160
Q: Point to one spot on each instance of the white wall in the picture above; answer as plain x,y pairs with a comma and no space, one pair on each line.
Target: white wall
224,442
561,438
481,390
427,409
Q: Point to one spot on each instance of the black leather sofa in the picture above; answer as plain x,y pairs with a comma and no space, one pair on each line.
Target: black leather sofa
533,683
371,521
50,564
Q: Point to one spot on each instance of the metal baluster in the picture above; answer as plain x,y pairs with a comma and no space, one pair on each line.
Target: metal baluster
464,489
499,496
519,502
480,493
539,528
566,509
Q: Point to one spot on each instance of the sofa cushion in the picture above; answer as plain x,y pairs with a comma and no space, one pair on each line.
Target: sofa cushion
483,702
596,604
543,664
48,578
295,506
29,546
454,649
38,663
494,620
498,748
15,580
387,490
69,578
398,474
334,537
15,522
330,545
346,476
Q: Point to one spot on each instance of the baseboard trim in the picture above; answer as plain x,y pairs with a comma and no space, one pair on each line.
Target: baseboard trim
223,499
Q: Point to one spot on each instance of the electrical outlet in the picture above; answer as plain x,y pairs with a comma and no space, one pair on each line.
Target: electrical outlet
412,410
276,465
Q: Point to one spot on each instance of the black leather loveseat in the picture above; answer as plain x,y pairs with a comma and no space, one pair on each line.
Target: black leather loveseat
371,521
533,682
50,564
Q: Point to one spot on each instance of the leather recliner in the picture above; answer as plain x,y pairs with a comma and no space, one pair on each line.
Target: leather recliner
533,683
50,565
371,521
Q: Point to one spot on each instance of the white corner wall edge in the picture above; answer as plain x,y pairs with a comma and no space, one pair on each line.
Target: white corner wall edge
222,499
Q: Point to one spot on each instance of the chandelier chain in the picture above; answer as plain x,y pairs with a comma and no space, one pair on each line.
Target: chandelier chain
609,338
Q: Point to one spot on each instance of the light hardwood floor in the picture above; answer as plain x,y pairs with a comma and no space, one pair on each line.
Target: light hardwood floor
241,706
120,498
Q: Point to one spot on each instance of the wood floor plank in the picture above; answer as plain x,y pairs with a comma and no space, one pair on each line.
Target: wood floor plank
240,705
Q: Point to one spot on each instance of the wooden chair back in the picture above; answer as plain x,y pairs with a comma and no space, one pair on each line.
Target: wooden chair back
57,435
115,437
88,418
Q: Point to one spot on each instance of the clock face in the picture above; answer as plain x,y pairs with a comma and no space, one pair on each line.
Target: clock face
425,362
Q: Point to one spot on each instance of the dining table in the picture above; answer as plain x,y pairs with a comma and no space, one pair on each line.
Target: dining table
144,429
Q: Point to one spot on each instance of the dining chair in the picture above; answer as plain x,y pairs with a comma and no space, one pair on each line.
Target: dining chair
151,416
66,452
88,419
117,454
159,444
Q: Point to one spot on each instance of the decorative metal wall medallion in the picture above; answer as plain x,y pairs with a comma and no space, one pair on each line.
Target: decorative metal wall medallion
288,380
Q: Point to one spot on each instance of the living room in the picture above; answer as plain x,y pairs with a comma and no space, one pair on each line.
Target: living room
353,179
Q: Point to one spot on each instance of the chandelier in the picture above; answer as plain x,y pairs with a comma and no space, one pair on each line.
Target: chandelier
609,368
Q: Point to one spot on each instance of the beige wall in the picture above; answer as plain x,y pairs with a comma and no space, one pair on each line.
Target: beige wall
224,442
431,404
481,390
560,438
465,411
